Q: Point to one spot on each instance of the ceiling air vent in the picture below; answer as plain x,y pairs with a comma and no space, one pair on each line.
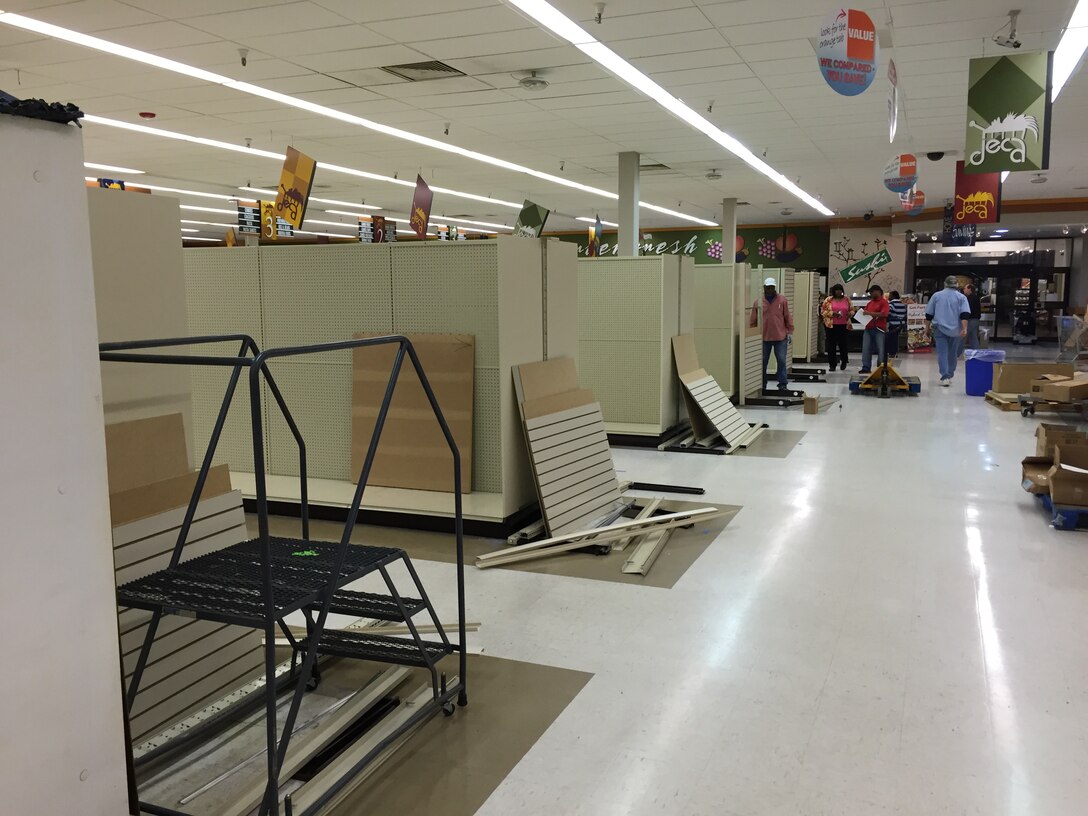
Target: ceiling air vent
419,71
653,168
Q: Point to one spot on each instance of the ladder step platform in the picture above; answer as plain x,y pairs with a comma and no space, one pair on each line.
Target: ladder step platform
227,585
361,645
370,605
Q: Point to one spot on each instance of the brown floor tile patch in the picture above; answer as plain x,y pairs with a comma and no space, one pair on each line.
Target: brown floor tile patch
682,550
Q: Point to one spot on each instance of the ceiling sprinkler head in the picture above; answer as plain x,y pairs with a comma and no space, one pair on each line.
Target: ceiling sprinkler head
533,82
713,175
599,17
243,54
1038,178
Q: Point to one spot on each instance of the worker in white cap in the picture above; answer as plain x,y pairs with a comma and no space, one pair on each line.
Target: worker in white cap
777,328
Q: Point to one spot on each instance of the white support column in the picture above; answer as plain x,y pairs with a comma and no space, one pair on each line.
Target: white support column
60,697
628,204
729,230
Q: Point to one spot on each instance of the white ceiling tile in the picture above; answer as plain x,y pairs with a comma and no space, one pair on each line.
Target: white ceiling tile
439,25
94,15
482,45
542,59
707,58
787,49
342,37
359,58
279,18
650,46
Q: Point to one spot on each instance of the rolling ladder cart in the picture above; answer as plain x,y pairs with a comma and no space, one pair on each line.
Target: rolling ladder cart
259,582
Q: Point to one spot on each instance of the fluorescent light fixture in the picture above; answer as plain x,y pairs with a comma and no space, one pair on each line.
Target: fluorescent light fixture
189,229
194,238
208,209
1070,48
331,223
1000,231
109,168
314,198
209,223
555,20
594,221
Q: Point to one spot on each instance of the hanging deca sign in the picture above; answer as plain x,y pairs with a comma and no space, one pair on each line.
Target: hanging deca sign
847,50
901,173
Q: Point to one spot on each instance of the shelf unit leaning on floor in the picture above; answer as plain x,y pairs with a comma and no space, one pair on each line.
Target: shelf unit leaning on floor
516,296
629,309
258,582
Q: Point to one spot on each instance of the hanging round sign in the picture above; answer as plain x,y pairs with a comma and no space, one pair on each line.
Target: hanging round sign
848,51
915,202
901,173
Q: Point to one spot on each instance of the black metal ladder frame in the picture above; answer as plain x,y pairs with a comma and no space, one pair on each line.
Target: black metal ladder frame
256,360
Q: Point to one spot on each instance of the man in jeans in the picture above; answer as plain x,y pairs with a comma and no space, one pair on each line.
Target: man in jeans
777,328
872,342
948,312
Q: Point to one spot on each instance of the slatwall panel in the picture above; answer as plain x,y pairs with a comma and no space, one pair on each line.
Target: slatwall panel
753,365
621,337
575,476
789,290
814,315
454,288
722,414
190,659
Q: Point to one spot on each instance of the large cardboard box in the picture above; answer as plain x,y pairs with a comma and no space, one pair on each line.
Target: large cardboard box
1015,378
1039,384
1069,476
1048,435
1067,390
1035,474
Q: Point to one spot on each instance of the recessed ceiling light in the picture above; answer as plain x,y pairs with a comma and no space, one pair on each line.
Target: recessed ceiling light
118,50
194,238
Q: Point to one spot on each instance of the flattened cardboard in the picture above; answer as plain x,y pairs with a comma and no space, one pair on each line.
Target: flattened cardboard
683,351
166,494
1035,474
142,451
413,452
1069,488
1047,435
547,378
1015,378
1040,383
1066,390
553,404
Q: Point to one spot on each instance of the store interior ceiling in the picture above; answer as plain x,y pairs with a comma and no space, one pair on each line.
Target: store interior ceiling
749,66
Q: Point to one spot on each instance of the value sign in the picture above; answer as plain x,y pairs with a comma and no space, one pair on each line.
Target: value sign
848,52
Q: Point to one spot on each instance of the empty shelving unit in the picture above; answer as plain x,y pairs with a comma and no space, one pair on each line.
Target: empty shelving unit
258,582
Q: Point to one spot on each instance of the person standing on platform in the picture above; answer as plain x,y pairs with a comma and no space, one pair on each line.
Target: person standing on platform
872,342
897,321
836,313
970,291
777,328
948,312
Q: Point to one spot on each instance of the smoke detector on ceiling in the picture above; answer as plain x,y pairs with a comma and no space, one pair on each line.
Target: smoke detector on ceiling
533,82
1038,178
713,175
786,211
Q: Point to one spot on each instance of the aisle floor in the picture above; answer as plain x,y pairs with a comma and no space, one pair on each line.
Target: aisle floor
888,626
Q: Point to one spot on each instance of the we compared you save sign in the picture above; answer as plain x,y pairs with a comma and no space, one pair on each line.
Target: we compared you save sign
848,51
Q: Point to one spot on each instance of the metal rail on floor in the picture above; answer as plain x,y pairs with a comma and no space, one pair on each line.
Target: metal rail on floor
258,582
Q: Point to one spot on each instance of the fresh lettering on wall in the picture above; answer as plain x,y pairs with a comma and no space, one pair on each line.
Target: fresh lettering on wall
847,50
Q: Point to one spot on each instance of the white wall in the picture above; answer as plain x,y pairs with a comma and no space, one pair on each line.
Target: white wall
60,695
861,243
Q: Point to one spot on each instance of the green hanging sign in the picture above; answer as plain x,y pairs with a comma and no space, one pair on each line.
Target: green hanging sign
1008,113
865,266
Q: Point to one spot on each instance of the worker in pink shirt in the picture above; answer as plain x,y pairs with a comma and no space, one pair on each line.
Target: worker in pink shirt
777,328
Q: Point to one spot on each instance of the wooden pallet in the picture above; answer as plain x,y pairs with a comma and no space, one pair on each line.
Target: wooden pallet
1005,402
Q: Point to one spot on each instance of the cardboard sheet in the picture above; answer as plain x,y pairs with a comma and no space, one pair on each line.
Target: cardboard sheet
142,451
546,379
413,452
1047,435
1069,476
1015,378
166,494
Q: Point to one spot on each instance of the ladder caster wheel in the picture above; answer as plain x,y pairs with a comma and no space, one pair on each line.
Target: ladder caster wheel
781,403
448,708
314,681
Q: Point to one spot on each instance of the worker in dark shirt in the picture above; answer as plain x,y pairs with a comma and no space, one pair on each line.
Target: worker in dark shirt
975,302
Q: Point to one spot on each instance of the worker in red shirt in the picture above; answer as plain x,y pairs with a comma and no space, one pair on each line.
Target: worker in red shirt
875,330
777,328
